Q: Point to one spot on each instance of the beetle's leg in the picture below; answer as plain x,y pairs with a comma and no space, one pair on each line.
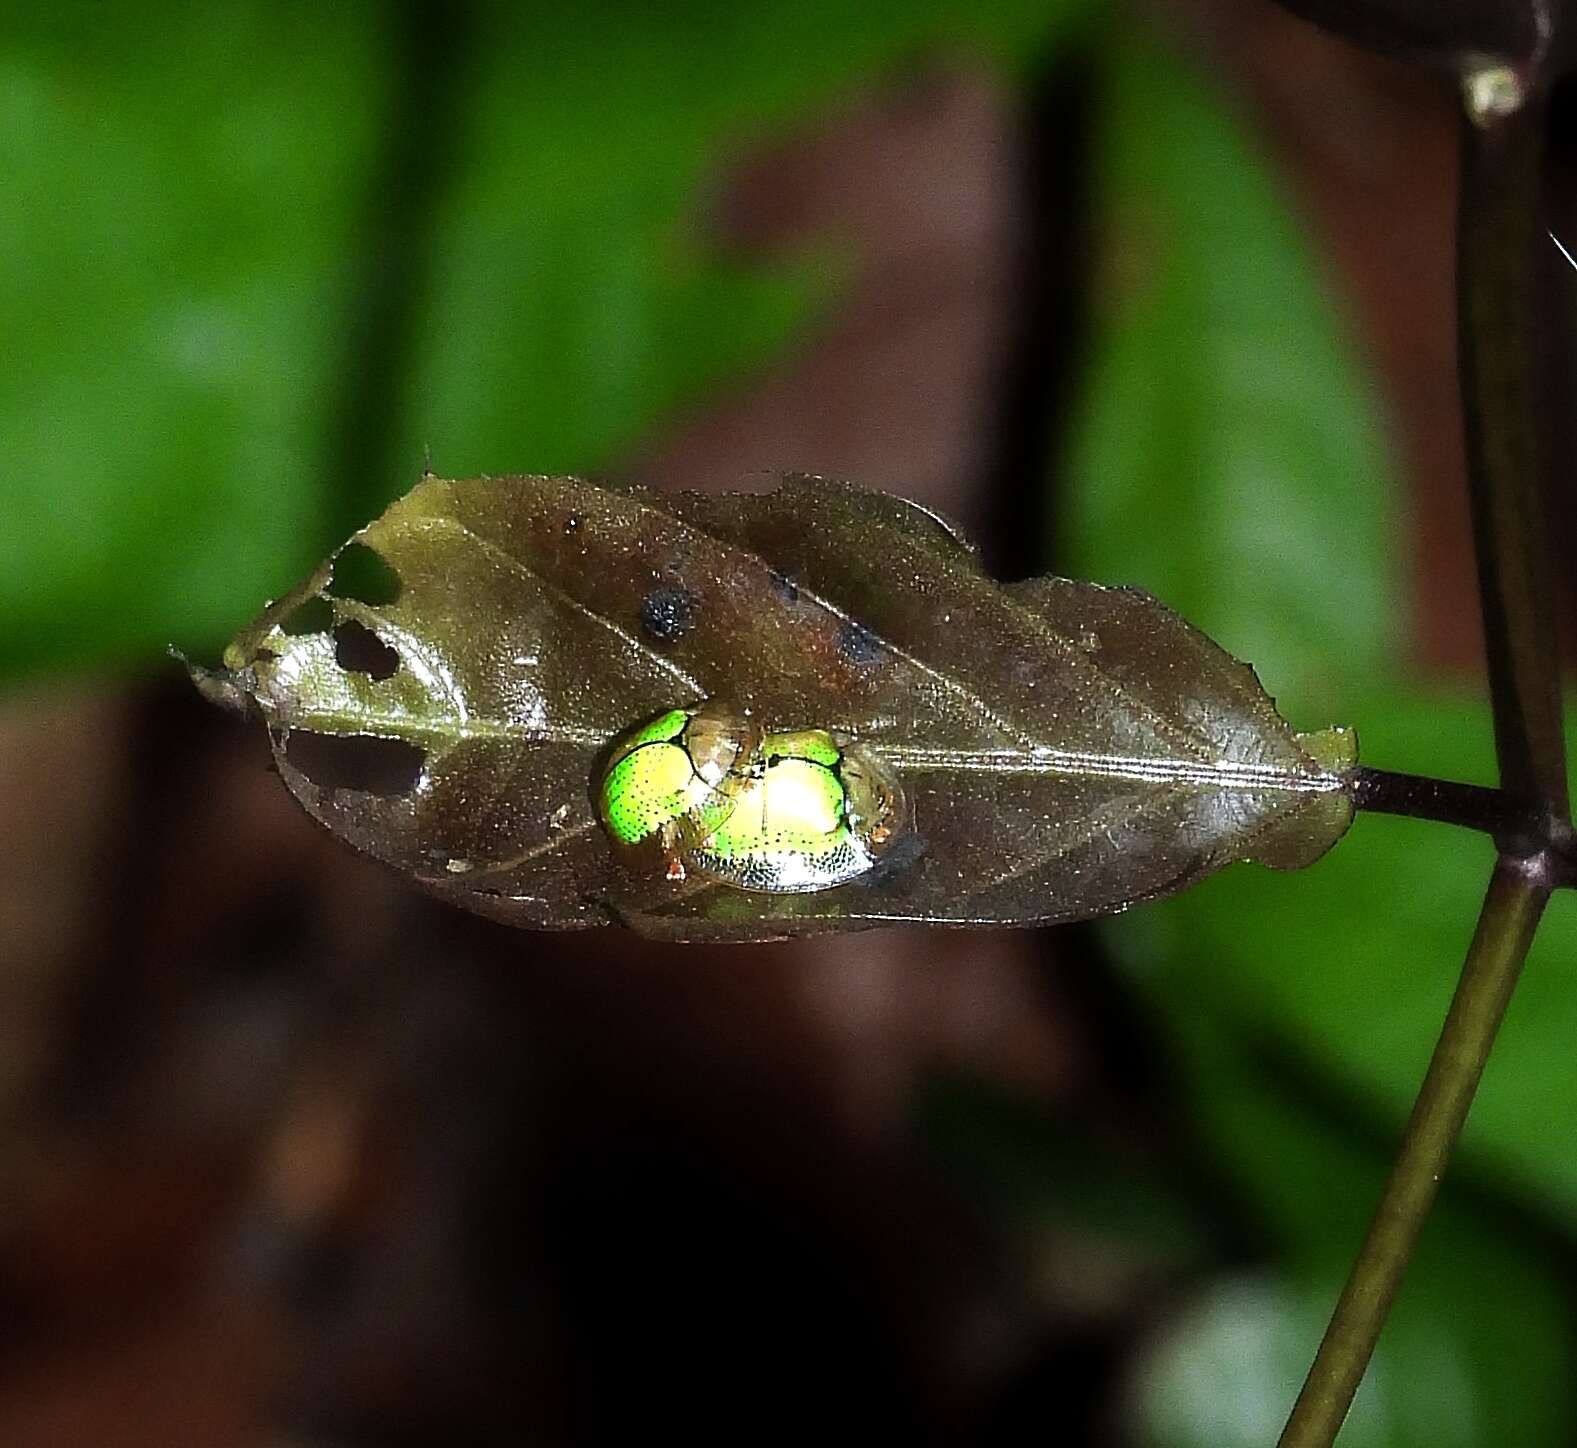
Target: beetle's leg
669,843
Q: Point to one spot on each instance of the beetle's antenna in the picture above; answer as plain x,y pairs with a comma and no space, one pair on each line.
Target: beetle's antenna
1560,246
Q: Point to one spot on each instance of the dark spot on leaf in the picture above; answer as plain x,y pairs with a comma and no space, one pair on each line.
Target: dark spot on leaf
784,586
667,614
360,651
365,575
858,644
316,615
360,762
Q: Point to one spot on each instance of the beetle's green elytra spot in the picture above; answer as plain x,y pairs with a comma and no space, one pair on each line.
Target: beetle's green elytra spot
650,787
790,804
649,779
664,729
816,745
670,776
787,812
788,831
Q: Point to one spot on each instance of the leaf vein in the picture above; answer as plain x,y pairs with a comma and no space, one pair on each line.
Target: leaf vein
644,651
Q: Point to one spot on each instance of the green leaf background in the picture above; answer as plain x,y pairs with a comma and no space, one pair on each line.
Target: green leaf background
1227,456
199,252
184,317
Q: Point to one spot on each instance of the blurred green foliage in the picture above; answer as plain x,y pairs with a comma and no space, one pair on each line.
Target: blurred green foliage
1227,455
173,244
1226,458
258,257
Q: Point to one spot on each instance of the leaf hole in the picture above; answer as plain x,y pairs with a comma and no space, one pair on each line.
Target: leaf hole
359,650
361,762
365,575
316,615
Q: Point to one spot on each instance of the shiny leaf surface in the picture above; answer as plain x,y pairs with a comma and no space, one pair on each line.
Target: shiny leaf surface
1066,749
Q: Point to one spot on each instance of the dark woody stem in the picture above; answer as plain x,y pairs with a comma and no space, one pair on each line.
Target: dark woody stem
1473,806
1518,829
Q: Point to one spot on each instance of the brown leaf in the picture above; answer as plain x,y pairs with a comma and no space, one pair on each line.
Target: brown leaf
1066,749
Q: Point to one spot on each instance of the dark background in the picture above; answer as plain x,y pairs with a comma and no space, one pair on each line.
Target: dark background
291,1155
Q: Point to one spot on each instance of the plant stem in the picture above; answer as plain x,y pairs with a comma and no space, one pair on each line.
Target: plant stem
1472,806
1498,230
1517,829
1500,944
1497,223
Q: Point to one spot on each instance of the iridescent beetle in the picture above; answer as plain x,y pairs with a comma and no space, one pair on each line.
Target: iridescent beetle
669,782
705,792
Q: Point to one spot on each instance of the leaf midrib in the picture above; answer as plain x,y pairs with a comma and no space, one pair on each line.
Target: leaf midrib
1037,761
